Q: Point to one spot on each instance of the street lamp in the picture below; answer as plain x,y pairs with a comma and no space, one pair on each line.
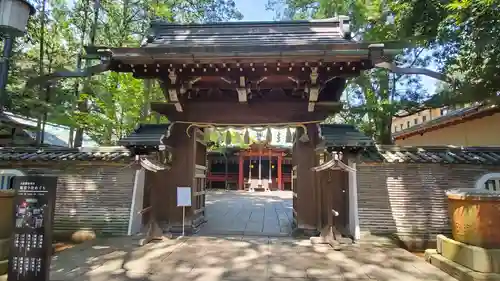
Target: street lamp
14,15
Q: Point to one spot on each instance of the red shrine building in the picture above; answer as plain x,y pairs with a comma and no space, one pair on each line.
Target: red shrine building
252,159
259,167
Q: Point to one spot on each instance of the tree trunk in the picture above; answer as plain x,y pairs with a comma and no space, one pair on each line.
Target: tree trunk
384,130
82,105
71,140
148,85
226,183
40,65
78,137
48,90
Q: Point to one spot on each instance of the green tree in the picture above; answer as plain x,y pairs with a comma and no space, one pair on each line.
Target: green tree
375,96
47,46
108,106
461,36
464,37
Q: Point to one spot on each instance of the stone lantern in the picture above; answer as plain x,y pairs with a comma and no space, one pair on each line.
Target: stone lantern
14,15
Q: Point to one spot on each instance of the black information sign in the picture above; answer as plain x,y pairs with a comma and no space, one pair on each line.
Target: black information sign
31,246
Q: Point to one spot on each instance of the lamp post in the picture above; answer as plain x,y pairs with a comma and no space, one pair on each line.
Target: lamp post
14,15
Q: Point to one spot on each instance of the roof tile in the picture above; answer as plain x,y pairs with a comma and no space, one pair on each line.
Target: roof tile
108,154
337,135
433,154
249,37
146,135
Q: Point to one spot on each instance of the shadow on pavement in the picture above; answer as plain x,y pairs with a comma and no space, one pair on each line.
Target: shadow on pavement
237,258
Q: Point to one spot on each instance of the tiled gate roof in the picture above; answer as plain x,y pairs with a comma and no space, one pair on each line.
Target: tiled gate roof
146,135
441,155
339,135
230,38
387,154
107,154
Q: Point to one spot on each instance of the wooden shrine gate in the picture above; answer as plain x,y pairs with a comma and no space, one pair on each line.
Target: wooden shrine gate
242,74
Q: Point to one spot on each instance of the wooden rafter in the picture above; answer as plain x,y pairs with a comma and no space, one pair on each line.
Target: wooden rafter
336,69
172,89
313,90
313,98
242,95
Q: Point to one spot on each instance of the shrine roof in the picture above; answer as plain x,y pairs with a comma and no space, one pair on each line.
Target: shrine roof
267,40
432,155
343,135
84,154
250,36
146,135
334,135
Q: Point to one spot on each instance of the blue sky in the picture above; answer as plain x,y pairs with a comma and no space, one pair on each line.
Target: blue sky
255,10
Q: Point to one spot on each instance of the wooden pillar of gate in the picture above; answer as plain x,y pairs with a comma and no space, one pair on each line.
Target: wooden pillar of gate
280,173
240,172
188,160
304,157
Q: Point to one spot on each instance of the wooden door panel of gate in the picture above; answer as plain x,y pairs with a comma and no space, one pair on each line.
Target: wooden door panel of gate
149,182
325,183
199,192
334,196
340,199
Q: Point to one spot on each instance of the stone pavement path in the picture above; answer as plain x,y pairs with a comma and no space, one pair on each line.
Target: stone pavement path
238,259
248,213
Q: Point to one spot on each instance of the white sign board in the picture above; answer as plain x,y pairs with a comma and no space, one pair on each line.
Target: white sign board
183,196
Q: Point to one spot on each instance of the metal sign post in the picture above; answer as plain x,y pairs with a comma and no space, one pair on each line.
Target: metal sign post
183,200
183,220
31,246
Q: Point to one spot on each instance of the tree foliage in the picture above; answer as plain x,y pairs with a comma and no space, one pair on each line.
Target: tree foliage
458,36
464,37
110,105
373,98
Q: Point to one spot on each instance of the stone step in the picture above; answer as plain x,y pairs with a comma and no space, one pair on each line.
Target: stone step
456,270
476,258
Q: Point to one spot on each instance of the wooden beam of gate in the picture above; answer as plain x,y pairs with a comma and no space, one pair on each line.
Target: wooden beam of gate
64,73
